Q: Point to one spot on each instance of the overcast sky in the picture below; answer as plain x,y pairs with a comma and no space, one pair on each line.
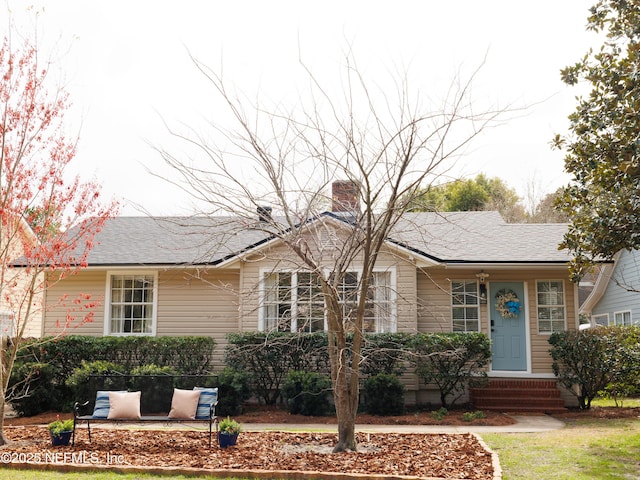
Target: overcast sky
126,66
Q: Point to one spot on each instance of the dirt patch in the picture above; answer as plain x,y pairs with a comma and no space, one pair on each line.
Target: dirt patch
274,414
418,455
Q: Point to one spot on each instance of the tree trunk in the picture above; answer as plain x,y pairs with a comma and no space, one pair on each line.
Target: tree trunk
346,436
3,439
343,398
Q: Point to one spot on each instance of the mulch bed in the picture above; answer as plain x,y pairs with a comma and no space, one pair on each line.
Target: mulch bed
416,455
276,414
263,453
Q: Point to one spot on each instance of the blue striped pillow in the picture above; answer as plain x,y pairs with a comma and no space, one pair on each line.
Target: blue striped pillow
102,406
208,396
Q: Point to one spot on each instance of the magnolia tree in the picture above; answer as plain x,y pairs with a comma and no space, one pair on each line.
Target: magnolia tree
602,147
282,163
48,219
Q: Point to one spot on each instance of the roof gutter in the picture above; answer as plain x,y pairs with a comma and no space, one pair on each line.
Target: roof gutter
600,286
506,265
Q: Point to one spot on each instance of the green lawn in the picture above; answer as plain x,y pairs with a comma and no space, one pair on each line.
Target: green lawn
586,449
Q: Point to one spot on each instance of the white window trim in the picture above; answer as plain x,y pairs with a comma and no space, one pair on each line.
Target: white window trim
477,305
8,322
294,326
564,305
107,304
594,319
622,312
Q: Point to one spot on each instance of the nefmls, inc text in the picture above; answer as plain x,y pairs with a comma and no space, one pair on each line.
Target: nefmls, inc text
68,458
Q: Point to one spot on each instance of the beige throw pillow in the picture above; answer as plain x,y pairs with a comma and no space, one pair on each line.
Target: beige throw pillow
124,405
184,403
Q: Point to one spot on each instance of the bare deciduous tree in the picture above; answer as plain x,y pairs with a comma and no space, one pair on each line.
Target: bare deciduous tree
385,148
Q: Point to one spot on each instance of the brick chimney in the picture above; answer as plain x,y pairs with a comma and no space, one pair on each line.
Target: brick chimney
345,196
264,213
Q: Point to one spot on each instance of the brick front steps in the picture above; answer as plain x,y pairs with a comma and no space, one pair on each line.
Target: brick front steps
511,395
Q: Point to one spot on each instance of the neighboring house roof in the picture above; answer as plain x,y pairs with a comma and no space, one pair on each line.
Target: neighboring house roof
454,237
605,272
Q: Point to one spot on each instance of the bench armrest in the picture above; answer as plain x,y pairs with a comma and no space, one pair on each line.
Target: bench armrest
77,406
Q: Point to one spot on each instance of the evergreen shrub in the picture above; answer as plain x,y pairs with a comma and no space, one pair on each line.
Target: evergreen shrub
307,393
384,395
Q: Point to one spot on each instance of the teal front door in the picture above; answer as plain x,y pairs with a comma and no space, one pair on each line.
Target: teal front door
508,326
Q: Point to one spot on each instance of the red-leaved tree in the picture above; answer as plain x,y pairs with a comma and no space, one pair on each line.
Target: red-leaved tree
48,218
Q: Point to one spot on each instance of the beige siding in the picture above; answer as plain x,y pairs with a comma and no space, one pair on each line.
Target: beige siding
189,303
17,299
59,302
197,304
434,310
203,303
215,302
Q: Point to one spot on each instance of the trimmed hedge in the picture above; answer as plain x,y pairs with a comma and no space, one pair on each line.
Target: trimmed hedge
270,356
186,354
258,362
384,395
34,388
46,363
384,353
234,388
307,393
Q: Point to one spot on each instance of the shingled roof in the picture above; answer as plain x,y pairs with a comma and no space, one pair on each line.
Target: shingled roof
172,241
456,237
480,237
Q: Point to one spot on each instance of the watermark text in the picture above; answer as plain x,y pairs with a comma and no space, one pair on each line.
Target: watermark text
82,457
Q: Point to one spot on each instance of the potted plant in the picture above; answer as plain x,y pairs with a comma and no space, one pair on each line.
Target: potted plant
228,431
60,431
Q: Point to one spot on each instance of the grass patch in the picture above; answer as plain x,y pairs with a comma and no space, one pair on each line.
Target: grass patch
609,402
584,450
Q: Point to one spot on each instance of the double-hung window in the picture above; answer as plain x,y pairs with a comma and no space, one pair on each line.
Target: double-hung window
293,301
380,307
551,306
132,304
465,306
622,318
